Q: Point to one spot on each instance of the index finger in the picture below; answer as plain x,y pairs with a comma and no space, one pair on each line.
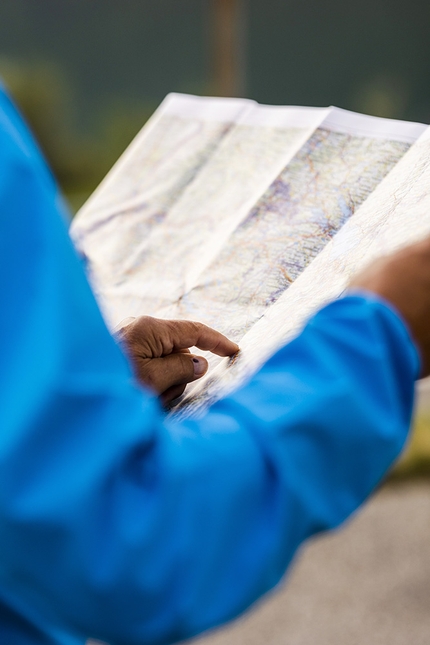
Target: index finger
187,333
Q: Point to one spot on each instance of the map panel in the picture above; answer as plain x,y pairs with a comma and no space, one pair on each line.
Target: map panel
138,193
396,214
301,211
198,224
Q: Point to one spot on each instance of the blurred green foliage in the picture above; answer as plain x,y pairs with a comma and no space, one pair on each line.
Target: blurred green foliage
88,74
79,159
416,459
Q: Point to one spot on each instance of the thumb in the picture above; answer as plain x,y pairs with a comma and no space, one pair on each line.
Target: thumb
172,370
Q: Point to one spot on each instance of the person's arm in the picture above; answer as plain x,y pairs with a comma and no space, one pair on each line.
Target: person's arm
120,524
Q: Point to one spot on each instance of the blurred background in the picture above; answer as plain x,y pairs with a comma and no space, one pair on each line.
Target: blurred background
87,74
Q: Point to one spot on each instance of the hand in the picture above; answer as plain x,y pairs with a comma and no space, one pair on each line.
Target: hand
159,351
403,279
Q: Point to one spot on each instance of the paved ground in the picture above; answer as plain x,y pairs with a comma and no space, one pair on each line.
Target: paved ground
368,584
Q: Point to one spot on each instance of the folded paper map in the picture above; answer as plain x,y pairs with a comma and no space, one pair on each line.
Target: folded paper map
249,218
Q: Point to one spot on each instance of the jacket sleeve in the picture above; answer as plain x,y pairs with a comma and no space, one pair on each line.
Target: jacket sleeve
123,525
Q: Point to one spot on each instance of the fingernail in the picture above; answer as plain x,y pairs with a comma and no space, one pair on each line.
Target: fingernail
199,366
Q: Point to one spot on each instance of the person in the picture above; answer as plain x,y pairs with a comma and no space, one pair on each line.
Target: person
122,524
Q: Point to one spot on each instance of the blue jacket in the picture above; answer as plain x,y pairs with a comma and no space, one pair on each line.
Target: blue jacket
123,525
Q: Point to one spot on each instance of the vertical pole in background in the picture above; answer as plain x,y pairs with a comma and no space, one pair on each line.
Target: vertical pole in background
228,56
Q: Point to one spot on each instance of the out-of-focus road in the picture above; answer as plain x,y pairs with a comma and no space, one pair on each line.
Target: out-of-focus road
366,584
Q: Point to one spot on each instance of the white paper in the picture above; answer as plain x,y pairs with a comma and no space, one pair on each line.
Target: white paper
310,200
151,175
396,214
249,218
239,171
